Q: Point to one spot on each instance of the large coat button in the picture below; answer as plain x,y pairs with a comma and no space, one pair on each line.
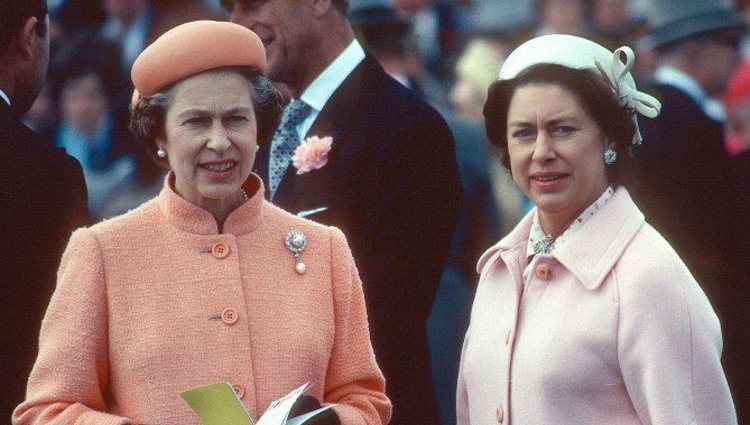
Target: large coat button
239,390
220,250
229,316
542,272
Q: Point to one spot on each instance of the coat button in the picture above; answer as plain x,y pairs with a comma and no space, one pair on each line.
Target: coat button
542,272
499,414
239,390
220,250
229,316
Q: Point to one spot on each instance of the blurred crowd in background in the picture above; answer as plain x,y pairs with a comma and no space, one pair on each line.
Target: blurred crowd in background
447,51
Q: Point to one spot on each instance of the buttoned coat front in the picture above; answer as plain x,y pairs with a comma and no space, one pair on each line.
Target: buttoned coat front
609,328
157,301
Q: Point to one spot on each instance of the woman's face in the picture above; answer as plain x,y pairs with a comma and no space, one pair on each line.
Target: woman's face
556,152
210,137
83,101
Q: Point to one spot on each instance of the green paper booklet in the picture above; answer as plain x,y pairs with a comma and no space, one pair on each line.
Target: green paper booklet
218,404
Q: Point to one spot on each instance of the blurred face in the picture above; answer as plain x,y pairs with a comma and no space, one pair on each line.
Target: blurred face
283,26
210,138
563,15
720,60
467,100
83,101
556,152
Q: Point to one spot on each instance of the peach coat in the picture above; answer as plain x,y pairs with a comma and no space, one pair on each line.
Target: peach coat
611,328
157,301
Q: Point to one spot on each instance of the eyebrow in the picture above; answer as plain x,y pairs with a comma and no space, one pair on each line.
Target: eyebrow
203,112
555,121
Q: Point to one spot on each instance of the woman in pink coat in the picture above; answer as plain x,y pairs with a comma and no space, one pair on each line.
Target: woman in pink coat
584,314
207,282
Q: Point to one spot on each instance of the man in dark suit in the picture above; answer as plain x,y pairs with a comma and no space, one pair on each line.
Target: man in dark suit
686,186
42,198
391,182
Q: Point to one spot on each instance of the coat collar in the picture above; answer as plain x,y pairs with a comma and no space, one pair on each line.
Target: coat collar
193,219
591,252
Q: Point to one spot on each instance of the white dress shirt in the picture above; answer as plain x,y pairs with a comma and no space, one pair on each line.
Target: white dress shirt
321,89
4,97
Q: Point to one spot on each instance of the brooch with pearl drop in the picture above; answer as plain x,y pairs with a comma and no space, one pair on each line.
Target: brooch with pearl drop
296,242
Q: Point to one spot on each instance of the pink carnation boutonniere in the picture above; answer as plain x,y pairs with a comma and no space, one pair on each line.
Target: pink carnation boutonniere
312,154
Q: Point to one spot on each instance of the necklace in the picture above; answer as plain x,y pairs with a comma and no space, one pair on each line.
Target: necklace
544,245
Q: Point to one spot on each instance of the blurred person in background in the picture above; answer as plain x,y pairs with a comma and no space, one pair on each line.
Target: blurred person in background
42,197
128,24
563,17
87,88
389,38
737,140
475,70
584,315
685,183
614,23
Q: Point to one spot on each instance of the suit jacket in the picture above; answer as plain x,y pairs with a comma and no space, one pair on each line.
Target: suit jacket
687,190
609,328
158,301
392,185
42,200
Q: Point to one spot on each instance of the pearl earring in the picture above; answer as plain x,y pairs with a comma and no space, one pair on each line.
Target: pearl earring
610,156
161,153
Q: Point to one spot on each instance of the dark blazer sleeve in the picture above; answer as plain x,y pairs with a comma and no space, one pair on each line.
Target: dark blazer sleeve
401,253
42,199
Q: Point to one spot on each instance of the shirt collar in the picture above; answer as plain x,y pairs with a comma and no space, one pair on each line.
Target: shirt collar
537,236
685,83
4,97
321,89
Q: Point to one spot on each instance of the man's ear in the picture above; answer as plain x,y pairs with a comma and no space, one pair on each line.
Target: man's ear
320,7
25,37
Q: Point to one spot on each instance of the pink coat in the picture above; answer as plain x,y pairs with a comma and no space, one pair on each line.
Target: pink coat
157,301
611,328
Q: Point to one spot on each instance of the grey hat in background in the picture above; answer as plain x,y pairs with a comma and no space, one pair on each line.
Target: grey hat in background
674,20
374,13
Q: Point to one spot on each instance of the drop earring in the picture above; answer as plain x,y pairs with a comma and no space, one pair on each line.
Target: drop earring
610,156
161,153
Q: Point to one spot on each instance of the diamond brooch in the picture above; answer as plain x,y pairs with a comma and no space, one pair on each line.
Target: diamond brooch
296,242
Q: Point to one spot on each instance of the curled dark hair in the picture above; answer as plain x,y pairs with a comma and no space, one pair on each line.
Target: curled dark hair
148,115
594,94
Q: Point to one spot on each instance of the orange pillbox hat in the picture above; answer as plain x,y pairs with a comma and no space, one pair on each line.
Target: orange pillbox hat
192,48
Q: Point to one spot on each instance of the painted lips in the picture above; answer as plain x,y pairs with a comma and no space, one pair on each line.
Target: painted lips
548,181
219,169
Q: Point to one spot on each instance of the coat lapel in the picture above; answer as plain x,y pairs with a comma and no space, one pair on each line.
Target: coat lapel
335,120
596,247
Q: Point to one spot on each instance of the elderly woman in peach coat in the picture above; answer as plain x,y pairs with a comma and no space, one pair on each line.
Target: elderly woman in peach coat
584,315
207,282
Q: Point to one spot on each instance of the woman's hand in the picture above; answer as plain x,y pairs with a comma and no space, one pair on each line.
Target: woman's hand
307,403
